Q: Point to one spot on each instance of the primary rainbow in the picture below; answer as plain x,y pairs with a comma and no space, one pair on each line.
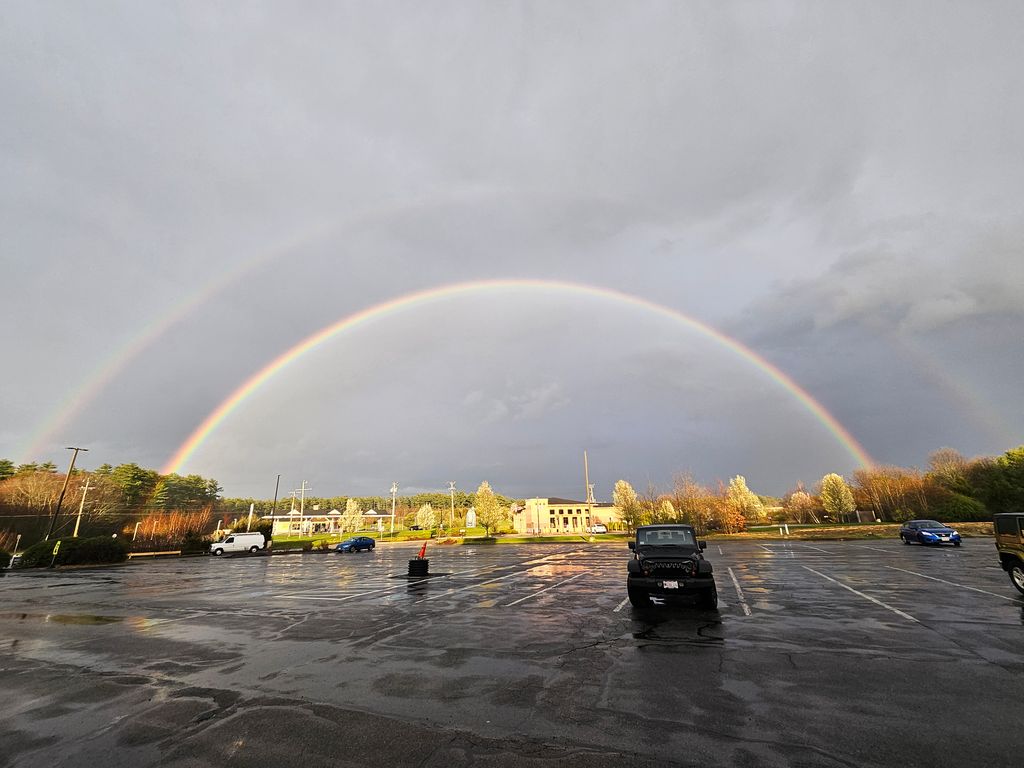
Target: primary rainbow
444,292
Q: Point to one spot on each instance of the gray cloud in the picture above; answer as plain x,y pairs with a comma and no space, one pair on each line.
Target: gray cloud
837,186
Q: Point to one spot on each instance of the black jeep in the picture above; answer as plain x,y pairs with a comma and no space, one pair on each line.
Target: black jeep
666,562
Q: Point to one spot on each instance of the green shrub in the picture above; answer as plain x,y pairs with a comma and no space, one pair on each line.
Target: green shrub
193,542
957,508
102,549
5,558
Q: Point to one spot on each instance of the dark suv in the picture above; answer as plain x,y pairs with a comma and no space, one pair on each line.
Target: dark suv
1010,545
666,562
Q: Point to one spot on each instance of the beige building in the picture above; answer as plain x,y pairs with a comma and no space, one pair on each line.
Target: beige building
539,517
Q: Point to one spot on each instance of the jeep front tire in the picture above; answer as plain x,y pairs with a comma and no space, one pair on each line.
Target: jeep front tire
638,598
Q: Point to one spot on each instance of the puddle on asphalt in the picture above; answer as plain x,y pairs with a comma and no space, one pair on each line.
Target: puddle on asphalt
60,618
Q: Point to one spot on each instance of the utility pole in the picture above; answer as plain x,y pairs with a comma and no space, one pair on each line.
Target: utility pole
451,490
302,503
273,509
394,490
85,489
60,500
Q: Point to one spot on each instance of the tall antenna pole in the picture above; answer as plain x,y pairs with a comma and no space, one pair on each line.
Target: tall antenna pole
60,500
586,477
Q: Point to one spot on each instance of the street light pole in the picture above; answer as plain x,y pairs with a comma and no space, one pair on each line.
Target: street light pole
81,506
60,500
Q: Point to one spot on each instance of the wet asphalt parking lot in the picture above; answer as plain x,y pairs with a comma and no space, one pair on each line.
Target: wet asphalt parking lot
866,653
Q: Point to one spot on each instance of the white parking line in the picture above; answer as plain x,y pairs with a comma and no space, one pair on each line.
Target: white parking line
720,550
953,584
620,606
739,592
877,549
541,591
808,546
897,611
762,546
353,597
474,586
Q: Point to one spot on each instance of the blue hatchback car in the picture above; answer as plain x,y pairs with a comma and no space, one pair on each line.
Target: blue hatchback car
928,532
356,544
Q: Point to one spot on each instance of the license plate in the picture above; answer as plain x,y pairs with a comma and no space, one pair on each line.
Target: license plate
943,538
670,584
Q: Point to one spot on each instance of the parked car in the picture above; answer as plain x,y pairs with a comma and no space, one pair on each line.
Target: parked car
667,561
356,544
928,532
239,542
598,528
1010,545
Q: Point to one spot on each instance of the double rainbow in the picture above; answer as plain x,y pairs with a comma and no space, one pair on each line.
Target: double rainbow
445,292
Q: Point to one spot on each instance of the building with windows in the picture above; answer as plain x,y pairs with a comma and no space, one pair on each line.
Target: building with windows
316,522
540,516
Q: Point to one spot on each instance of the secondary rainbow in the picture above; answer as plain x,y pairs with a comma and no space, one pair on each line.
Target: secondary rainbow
446,292
110,366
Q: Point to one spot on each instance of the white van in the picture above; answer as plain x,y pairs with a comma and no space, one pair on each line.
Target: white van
239,542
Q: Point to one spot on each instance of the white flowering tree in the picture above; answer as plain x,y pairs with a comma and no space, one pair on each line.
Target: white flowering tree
426,517
744,501
352,518
836,497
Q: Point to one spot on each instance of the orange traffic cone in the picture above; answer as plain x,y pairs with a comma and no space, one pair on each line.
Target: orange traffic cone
423,551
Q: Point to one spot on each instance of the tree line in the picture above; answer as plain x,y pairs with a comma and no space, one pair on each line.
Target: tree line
953,488
112,500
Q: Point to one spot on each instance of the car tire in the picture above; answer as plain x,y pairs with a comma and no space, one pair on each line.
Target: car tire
956,543
709,599
218,552
254,549
638,598
905,540
1016,573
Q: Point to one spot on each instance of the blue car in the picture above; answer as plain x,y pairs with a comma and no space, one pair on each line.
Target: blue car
928,532
356,544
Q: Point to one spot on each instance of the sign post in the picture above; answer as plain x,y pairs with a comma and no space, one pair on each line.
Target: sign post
56,549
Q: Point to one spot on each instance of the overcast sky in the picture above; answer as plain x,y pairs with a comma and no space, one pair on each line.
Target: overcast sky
838,186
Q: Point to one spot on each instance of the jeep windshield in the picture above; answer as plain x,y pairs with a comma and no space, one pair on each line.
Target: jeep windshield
666,537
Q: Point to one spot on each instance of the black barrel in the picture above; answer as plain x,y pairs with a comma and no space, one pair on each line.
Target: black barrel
419,567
